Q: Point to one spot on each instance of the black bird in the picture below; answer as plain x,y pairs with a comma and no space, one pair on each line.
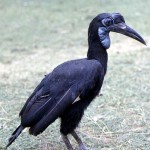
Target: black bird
69,89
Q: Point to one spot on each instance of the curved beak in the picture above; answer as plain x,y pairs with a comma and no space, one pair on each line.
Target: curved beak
126,30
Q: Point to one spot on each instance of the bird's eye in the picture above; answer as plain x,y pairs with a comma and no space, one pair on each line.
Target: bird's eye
107,22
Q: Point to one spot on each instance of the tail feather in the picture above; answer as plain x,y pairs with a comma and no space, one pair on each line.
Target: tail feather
14,135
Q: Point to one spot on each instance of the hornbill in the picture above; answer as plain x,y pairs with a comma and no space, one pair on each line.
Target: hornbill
69,89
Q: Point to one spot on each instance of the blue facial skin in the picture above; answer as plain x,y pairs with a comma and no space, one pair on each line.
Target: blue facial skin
103,33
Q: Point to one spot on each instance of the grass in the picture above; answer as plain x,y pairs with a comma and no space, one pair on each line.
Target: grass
38,35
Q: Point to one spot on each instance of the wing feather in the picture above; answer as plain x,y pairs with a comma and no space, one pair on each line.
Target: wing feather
67,99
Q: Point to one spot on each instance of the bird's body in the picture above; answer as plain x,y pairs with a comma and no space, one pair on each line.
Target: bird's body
55,95
69,89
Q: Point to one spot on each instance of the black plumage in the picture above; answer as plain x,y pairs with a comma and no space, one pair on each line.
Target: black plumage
67,82
68,90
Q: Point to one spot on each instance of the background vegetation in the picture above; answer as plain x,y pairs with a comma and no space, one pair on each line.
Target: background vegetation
37,35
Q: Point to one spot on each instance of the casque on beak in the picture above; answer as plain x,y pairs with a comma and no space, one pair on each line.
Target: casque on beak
126,30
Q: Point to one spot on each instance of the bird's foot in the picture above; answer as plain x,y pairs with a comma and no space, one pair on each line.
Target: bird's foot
83,147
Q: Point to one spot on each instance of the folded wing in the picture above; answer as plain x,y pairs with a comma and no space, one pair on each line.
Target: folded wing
57,92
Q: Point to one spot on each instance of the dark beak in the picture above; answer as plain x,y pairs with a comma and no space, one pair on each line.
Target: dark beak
126,30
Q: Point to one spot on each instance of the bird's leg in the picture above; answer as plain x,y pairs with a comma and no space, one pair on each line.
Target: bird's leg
67,142
81,145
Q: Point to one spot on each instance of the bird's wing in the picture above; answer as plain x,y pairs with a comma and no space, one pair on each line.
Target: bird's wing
54,112
55,93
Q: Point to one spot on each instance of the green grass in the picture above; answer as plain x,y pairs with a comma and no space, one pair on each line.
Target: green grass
38,35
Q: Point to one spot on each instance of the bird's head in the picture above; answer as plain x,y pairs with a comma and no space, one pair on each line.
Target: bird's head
106,22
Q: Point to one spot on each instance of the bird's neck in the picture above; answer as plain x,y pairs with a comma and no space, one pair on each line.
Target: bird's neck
98,52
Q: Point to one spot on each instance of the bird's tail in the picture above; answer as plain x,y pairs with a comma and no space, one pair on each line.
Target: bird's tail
14,135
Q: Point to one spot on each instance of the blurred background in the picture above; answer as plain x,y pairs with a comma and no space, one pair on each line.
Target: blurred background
37,35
